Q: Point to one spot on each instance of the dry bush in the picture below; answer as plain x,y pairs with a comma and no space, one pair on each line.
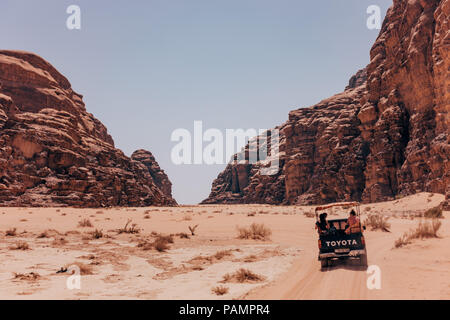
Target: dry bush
402,241
220,290
85,269
85,223
32,276
11,232
435,212
167,239
367,208
133,229
146,216
425,229
242,275
219,255
160,245
97,234
251,214
43,235
255,231
187,217
20,245
378,222
192,229
59,241
183,235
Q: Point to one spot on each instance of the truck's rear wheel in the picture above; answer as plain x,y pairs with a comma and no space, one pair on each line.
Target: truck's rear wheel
324,263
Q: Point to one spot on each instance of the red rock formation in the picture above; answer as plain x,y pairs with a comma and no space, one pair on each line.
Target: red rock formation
53,152
158,175
387,134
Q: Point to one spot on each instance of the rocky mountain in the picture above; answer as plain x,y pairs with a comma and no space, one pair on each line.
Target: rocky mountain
385,136
54,153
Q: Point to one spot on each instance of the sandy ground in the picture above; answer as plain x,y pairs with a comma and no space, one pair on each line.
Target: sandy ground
117,266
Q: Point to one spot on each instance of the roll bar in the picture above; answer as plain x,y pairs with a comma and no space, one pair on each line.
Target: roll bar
339,204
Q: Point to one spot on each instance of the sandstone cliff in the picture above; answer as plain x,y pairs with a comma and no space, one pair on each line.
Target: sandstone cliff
386,135
54,153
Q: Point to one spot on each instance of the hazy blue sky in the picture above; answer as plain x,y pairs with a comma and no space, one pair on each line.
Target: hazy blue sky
146,68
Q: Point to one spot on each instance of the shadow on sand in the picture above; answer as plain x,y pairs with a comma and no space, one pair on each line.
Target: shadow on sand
344,264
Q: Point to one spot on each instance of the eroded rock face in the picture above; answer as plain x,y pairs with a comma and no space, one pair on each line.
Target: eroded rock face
53,152
158,175
387,134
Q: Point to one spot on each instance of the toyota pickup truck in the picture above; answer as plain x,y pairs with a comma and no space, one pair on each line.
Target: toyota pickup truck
340,242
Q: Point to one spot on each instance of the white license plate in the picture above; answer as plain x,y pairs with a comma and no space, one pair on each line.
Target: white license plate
342,250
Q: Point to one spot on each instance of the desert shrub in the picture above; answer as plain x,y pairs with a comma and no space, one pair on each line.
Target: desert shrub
435,212
20,245
183,235
126,229
378,222
97,234
220,290
85,269
11,232
255,231
160,245
43,235
167,239
242,275
402,241
32,276
425,229
187,217
192,229
85,223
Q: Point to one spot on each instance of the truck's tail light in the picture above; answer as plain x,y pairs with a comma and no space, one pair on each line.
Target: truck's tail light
320,244
363,241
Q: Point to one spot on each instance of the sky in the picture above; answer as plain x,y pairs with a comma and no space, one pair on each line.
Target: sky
147,68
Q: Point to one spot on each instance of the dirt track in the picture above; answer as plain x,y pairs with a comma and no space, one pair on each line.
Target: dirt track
419,271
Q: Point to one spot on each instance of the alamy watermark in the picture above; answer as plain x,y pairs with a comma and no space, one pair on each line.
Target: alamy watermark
73,22
374,19
236,145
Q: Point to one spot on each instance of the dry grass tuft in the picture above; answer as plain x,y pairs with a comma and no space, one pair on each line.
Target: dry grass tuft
435,212
378,222
161,245
85,223
20,245
11,232
243,275
255,231
220,290
32,276
85,269
97,234
183,235
126,229
192,229
424,230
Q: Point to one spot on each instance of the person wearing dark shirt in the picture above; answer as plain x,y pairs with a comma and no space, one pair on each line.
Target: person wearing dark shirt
322,224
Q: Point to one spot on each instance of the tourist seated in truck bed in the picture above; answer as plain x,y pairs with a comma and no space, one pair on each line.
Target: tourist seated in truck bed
322,225
353,224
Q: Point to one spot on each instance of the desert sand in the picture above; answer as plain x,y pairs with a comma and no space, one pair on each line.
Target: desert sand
124,265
